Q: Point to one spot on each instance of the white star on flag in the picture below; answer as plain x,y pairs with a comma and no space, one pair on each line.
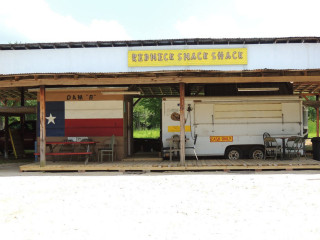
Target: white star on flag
51,119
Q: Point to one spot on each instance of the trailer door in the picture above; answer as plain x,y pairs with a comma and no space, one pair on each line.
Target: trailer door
203,113
204,125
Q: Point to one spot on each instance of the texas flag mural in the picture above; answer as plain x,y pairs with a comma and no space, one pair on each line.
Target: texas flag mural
83,118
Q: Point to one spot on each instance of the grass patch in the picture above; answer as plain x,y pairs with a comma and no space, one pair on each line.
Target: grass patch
312,131
151,133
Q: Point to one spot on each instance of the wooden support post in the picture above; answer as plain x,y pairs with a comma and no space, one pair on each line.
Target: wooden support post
6,137
129,122
42,126
22,117
182,125
317,110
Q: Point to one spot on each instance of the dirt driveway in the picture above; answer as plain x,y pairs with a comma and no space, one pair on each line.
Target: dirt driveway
203,205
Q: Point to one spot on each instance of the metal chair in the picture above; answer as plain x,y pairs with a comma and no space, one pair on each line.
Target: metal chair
271,148
266,134
108,150
295,147
302,147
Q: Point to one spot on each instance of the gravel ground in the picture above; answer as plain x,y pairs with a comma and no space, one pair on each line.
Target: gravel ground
202,205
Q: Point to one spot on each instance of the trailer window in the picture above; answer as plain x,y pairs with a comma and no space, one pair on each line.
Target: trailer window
248,113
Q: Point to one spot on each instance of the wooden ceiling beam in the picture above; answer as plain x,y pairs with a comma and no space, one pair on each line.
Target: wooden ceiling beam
155,96
34,82
18,110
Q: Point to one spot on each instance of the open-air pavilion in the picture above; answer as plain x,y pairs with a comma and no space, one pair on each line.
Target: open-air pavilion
109,72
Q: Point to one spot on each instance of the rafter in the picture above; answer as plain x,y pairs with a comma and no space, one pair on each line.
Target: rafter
297,87
306,88
317,88
141,90
161,90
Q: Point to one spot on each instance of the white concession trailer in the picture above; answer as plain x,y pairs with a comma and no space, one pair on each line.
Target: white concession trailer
225,125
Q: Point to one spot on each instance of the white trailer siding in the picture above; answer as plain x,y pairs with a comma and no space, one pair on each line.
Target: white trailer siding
236,120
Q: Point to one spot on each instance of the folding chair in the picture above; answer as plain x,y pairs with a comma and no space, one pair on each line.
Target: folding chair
271,148
295,147
108,150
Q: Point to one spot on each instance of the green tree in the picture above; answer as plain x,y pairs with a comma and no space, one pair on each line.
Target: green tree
147,113
312,115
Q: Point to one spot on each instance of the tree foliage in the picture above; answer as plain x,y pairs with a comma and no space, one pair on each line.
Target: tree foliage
147,113
312,115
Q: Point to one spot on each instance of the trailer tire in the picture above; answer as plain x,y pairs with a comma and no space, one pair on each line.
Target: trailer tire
234,153
256,153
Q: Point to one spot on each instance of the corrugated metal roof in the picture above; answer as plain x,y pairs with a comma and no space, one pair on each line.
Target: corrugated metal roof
163,42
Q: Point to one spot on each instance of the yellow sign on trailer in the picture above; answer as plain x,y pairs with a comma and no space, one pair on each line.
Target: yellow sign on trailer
221,138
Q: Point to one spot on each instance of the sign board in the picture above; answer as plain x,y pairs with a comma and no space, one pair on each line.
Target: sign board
177,128
221,138
187,57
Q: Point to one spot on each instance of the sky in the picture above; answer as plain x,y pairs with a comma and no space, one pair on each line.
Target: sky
27,21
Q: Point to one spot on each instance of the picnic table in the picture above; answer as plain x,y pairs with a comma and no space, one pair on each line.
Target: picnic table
87,144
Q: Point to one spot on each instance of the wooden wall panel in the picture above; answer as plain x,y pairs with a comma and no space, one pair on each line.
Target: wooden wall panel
80,96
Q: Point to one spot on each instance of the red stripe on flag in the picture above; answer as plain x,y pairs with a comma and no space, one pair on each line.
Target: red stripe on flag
93,127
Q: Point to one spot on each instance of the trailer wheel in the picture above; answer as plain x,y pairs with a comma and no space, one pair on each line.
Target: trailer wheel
257,153
234,153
